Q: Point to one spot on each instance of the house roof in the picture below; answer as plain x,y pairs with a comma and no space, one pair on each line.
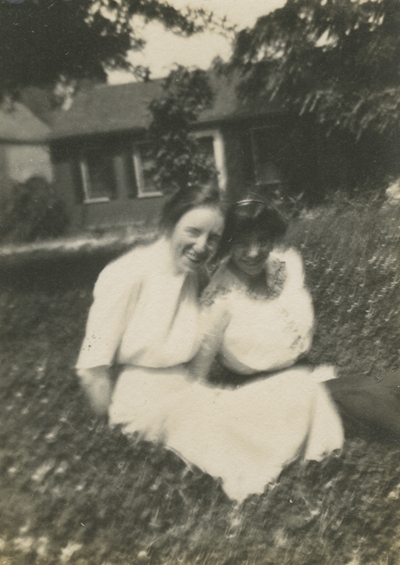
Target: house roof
118,108
19,125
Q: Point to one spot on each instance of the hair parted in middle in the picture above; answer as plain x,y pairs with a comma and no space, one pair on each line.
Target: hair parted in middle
187,199
251,220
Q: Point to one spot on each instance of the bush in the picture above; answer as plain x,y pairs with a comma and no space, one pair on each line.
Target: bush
32,211
352,257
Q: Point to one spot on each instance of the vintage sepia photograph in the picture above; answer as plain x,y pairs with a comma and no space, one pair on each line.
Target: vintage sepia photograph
200,282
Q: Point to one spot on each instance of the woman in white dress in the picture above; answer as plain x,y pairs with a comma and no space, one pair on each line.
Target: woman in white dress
146,318
145,315
258,322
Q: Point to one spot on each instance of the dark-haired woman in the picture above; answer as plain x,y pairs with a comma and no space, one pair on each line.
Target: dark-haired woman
258,320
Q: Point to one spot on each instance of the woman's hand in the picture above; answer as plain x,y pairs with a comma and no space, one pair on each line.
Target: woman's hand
97,384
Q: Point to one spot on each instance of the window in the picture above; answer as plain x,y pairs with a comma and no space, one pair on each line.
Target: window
144,171
211,142
267,155
98,177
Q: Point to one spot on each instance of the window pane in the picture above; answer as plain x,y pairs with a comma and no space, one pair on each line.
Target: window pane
266,154
147,165
101,181
206,147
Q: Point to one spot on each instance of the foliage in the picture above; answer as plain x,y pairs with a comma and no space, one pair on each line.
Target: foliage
44,42
337,60
332,67
351,254
31,211
179,158
72,490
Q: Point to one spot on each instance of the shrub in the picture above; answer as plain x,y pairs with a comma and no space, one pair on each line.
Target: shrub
351,256
32,211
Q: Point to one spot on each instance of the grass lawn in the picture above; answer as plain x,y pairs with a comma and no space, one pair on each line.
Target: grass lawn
73,491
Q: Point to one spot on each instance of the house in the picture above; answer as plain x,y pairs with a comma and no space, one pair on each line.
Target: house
101,160
24,145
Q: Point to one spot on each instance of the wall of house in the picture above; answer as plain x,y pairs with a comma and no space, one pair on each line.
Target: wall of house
265,155
238,160
123,210
3,169
25,161
260,155
292,157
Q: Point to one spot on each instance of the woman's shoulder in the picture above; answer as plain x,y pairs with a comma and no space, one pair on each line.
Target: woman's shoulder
286,255
126,269
220,285
284,268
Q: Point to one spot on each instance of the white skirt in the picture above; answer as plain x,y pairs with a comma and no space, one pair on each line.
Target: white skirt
244,436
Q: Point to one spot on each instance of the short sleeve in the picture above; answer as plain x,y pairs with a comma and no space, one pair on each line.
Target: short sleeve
293,266
115,295
296,302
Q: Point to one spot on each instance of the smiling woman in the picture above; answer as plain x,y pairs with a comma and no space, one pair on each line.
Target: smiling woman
195,238
145,313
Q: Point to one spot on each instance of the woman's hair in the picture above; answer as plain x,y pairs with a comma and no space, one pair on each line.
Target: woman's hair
251,220
185,200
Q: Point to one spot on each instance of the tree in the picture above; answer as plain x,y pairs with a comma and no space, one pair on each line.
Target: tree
336,60
43,42
180,159
334,66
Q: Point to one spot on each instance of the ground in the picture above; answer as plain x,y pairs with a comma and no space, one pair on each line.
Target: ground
74,491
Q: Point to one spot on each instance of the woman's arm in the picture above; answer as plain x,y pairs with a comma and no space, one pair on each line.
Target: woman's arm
214,321
114,294
295,303
96,383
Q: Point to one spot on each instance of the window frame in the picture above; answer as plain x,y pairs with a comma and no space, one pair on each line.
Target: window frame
86,184
255,154
138,172
219,153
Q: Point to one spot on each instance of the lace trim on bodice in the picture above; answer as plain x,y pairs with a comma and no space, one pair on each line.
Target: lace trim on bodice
276,275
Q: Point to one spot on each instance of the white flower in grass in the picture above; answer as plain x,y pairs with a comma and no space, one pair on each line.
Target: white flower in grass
51,436
2,545
42,546
69,550
23,544
41,368
354,561
63,466
42,471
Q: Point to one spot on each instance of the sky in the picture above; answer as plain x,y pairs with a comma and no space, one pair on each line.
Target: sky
164,49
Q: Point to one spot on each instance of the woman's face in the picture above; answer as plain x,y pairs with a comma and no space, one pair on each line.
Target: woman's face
250,256
195,238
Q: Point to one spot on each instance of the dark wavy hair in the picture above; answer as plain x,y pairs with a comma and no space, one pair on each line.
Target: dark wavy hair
251,220
187,199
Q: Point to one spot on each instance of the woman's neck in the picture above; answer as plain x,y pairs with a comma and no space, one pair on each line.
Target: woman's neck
255,284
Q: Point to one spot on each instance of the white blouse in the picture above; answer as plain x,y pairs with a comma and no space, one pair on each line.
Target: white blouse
143,314
253,334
